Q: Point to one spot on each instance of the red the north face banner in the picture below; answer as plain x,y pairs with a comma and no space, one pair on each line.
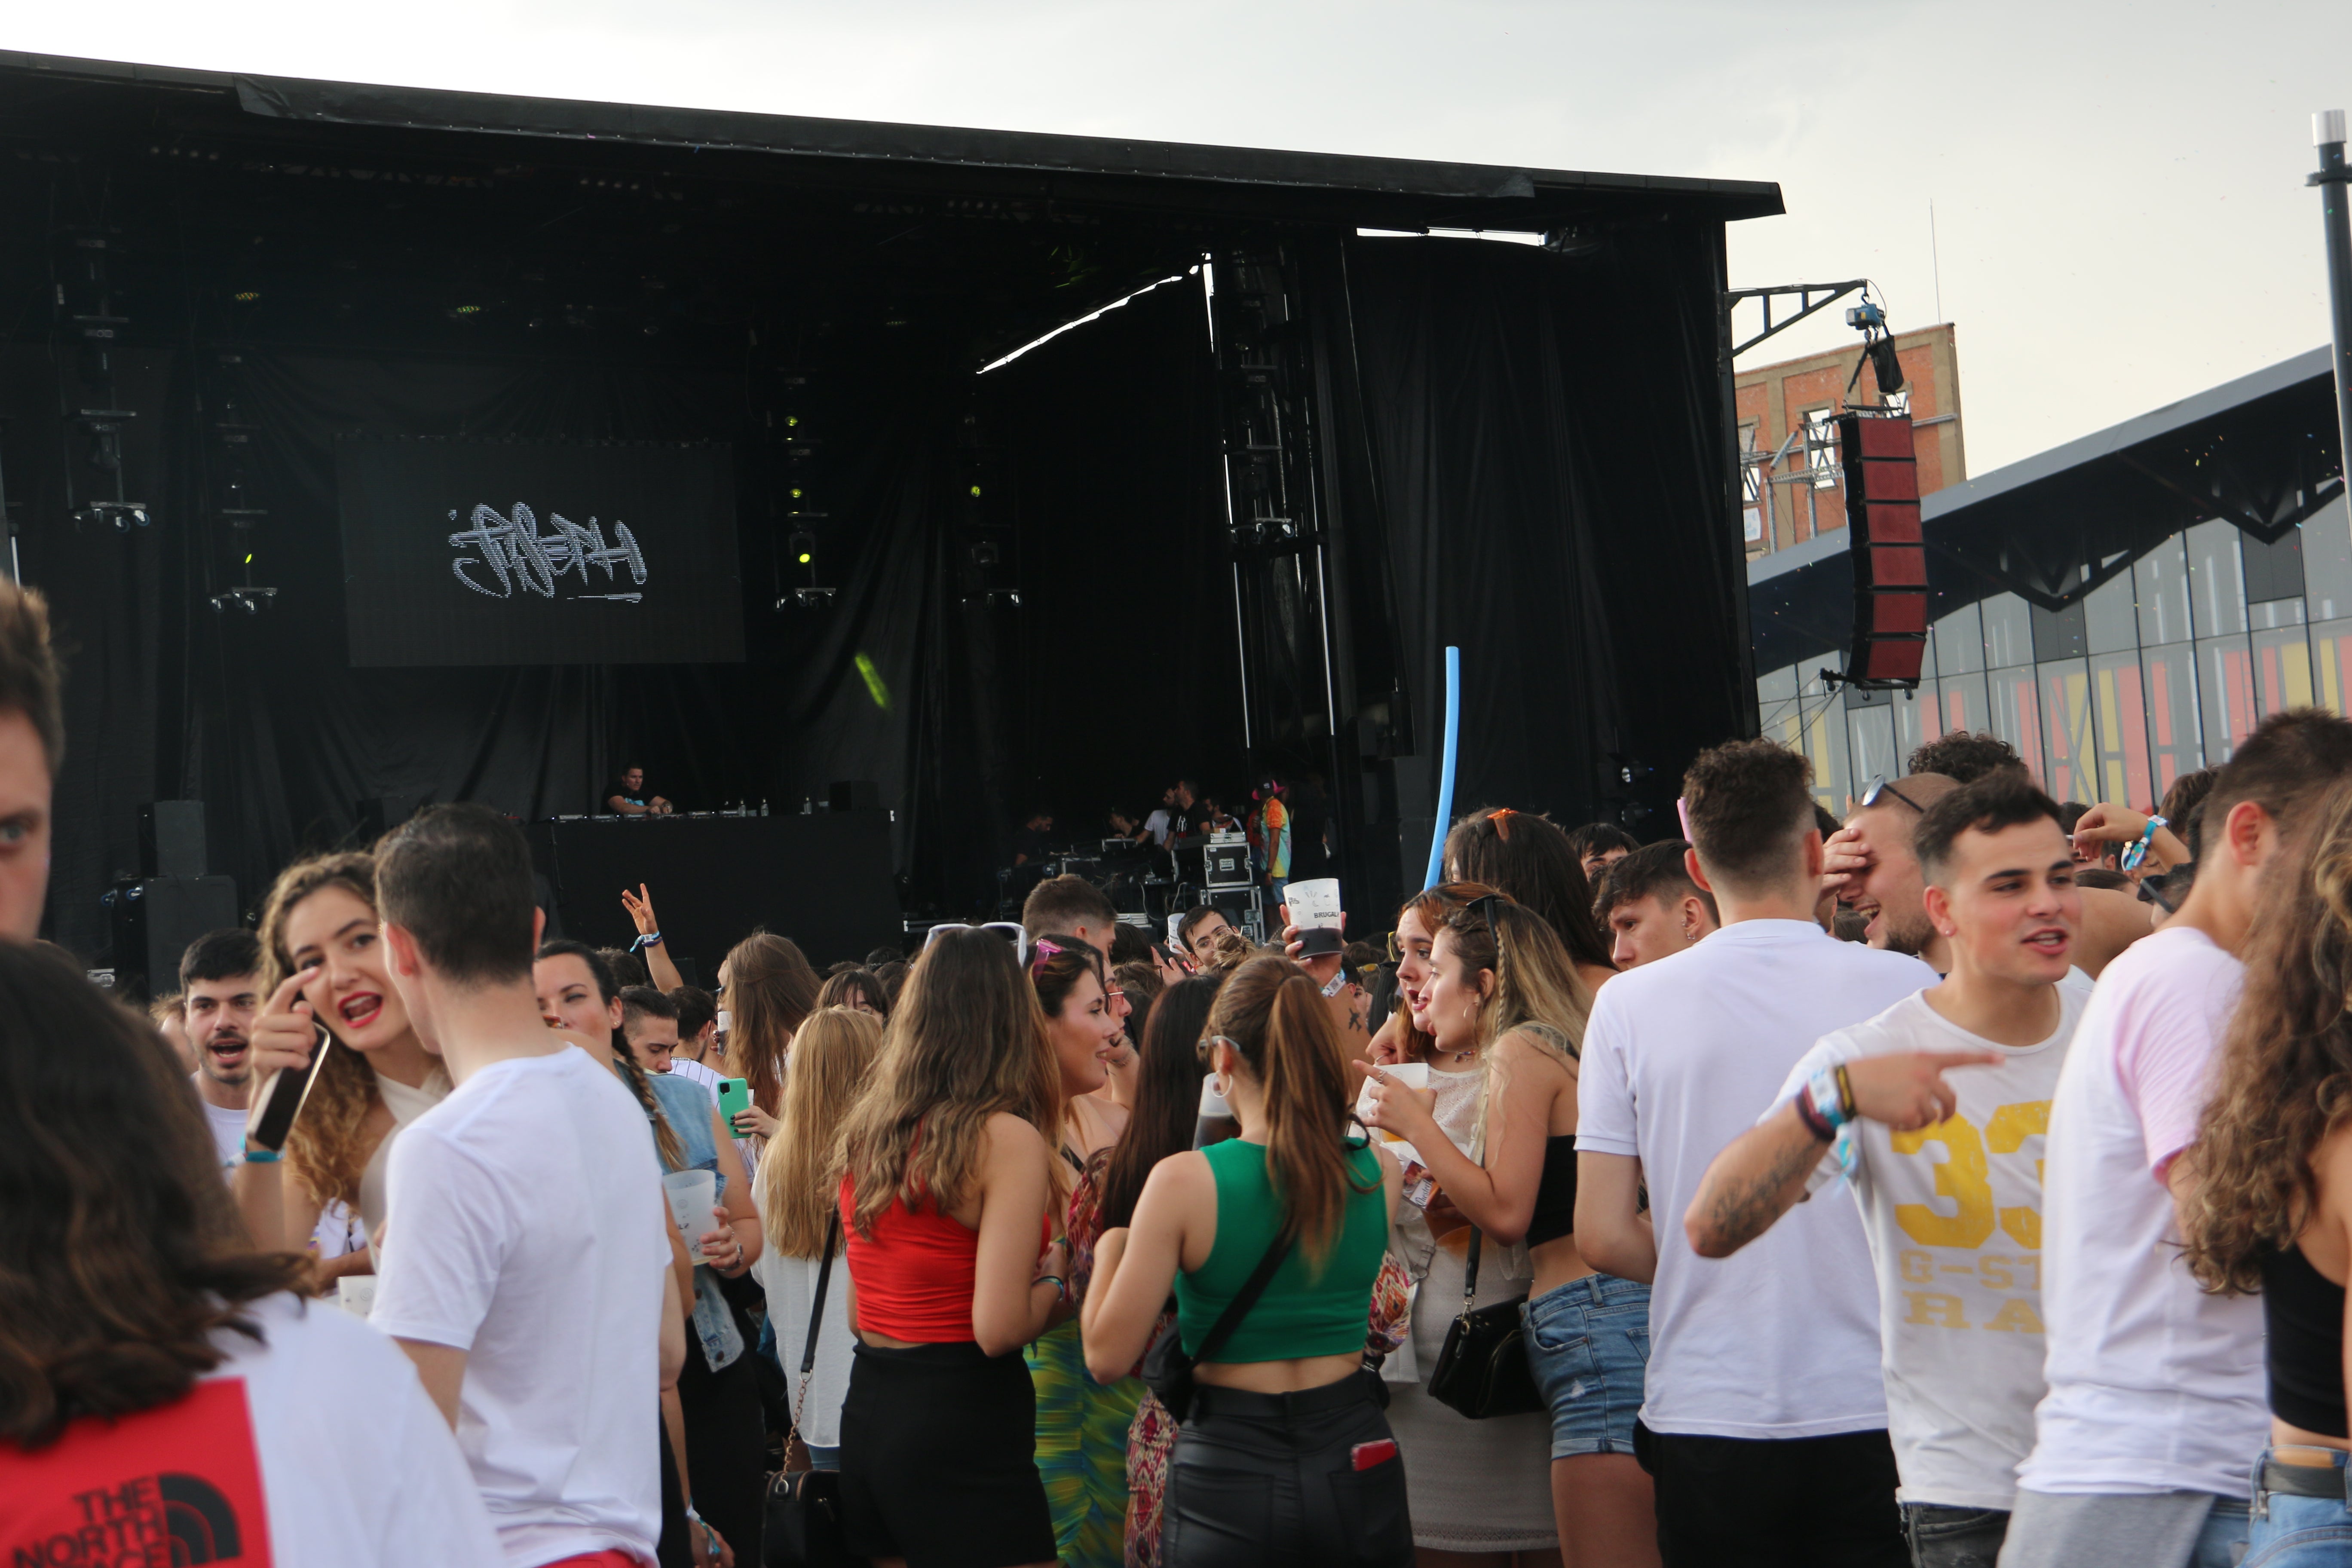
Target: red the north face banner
178,1485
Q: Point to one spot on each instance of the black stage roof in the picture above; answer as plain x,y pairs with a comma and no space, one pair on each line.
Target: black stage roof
2260,451
1377,192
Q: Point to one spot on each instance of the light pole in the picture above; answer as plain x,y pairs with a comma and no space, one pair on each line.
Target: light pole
2335,193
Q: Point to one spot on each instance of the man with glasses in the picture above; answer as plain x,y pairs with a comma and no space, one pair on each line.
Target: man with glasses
1869,865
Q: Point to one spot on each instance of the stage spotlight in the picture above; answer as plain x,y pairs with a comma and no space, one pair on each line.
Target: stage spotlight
803,545
984,553
808,598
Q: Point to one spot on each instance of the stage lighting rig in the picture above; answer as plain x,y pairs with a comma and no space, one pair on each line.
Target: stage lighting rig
248,599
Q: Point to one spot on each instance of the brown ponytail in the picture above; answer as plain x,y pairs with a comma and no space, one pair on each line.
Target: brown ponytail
1273,1016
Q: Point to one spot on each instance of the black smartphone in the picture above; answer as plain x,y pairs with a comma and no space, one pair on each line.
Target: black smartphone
280,1099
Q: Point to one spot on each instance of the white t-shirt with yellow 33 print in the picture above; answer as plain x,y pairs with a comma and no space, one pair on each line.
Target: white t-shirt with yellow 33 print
1954,1217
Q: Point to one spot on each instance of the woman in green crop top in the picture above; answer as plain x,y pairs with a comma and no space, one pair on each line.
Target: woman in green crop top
1285,1448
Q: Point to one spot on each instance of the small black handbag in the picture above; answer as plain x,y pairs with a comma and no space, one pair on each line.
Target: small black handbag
1483,1369
803,1507
1168,1371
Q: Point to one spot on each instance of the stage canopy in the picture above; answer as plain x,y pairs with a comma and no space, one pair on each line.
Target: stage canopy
1224,529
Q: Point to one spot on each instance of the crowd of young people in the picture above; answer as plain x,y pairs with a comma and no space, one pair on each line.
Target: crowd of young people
1624,1216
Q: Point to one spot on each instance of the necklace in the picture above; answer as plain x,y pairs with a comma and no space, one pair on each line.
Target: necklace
1457,1057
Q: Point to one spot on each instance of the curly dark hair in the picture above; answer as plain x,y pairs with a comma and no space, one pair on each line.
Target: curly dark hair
2284,1078
122,1258
1750,804
1963,757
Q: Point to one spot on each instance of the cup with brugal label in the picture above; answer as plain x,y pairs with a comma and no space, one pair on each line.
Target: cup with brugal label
1315,910
692,1195
355,1294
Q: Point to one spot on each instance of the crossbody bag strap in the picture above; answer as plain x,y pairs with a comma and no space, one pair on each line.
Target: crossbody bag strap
816,1320
824,1279
1243,1300
1470,1272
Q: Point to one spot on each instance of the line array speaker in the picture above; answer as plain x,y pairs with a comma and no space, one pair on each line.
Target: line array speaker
1890,557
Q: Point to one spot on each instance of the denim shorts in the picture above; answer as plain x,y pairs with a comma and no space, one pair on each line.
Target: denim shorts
2292,1532
1588,1343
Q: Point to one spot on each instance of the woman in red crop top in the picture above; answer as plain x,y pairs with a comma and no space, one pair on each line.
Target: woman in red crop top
944,1202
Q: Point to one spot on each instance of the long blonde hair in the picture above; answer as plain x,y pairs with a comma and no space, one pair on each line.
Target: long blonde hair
1538,995
771,988
965,1041
833,1055
329,1149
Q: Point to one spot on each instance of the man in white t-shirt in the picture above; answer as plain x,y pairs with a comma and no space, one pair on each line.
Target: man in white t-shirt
527,1247
1947,1171
2157,1407
1764,1419
220,989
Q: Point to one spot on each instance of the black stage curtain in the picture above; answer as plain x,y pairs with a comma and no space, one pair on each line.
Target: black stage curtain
1127,624
1543,437
262,718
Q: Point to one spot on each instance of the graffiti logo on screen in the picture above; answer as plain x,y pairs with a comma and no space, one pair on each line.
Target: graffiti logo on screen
516,554
147,1520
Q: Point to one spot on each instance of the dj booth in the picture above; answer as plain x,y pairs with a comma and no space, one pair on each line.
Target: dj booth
824,879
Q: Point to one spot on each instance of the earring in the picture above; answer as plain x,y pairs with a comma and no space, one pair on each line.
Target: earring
1224,1086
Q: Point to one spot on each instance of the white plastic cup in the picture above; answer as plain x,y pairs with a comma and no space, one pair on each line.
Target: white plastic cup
692,1195
355,1294
1412,1075
1315,910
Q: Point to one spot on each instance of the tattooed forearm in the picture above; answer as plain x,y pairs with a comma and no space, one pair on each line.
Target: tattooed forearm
1745,1204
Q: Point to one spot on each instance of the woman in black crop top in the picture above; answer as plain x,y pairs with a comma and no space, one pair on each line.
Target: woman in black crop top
1504,992
2271,1210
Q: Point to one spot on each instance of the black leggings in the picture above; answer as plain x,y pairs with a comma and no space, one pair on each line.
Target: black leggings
1272,1478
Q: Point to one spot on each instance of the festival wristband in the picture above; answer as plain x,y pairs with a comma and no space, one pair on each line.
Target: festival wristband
2134,853
1821,1093
1846,1096
651,939
1813,1119
262,1156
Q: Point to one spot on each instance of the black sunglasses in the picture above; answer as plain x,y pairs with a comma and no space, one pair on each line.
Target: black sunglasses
1879,786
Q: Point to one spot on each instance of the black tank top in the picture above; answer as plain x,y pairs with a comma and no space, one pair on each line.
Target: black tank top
2304,1315
1555,1215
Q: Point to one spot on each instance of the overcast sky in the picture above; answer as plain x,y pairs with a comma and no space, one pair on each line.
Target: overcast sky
2117,189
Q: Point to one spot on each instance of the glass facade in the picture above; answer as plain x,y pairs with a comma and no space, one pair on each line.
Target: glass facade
2161,669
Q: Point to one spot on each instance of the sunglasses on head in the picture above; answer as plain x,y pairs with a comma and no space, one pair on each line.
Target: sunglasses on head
1010,931
1879,788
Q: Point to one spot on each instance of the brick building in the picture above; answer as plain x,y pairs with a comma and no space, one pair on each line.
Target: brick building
1787,414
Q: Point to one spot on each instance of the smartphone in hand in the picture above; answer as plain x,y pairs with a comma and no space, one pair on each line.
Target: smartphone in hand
275,1108
734,1096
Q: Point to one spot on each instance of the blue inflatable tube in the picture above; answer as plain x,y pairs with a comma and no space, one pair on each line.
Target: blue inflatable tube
1445,777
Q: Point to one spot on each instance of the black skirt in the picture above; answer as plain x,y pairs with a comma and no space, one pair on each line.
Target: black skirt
938,1458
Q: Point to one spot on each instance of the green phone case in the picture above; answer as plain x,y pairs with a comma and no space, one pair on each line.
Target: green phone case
734,1095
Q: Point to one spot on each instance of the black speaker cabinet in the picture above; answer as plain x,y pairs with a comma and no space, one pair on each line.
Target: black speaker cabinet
172,838
156,919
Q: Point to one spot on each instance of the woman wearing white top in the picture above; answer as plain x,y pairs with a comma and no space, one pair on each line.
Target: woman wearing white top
832,1054
323,963
168,1389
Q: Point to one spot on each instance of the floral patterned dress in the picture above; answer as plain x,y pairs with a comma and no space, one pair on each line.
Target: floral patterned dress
1082,1424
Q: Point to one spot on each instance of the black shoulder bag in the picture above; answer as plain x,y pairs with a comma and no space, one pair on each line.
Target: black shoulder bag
803,1509
1482,1371
1168,1371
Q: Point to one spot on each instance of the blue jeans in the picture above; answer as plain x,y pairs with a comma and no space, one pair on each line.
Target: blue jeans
1589,1346
2293,1531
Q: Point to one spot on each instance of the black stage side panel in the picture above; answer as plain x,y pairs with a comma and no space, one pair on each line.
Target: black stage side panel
822,879
489,553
